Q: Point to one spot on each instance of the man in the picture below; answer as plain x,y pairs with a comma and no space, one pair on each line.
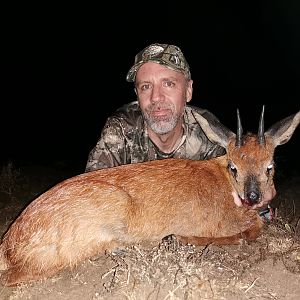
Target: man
159,124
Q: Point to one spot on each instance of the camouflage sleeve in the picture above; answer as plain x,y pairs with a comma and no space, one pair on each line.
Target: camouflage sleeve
215,150
110,150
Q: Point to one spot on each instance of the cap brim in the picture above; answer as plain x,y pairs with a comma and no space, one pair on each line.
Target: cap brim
130,77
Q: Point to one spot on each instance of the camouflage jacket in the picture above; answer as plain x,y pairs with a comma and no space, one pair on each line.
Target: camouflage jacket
124,140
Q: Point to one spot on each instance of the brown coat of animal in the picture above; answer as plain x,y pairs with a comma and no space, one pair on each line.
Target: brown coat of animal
100,210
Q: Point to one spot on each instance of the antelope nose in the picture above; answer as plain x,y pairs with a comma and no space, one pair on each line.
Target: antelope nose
253,196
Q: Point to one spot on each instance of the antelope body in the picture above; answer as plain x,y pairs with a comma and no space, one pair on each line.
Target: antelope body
101,210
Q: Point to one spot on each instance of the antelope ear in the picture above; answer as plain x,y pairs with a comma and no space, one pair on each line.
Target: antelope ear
282,131
214,130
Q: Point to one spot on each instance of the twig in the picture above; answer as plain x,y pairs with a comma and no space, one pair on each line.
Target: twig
252,285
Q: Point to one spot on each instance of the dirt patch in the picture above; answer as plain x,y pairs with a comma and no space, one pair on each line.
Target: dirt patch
268,268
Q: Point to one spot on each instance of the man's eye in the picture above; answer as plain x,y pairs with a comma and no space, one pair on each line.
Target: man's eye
169,83
145,87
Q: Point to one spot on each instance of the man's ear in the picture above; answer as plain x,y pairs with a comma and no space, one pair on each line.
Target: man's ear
135,91
189,91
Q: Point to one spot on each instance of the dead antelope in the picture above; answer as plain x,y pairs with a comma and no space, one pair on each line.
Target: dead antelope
101,210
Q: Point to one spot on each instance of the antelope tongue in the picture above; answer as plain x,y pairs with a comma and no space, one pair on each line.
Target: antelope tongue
246,202
236,198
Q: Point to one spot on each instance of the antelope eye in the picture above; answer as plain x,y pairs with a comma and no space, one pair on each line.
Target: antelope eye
232,169
270,168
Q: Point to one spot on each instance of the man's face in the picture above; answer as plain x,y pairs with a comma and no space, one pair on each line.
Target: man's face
162,95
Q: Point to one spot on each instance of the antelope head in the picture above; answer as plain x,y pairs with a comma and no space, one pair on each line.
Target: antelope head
250,157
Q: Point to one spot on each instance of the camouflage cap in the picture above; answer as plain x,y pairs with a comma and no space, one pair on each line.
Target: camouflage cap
164,54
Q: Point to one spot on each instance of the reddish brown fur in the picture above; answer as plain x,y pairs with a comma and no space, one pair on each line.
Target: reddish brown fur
95,211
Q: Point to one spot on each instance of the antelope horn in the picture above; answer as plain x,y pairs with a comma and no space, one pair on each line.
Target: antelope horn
238,142
261,135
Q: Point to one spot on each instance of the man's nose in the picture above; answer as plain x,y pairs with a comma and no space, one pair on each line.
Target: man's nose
157,94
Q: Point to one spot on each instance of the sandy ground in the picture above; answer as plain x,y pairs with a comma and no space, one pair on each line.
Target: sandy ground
268,268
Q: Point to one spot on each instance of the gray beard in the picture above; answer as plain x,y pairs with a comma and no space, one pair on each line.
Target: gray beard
159,124
162,126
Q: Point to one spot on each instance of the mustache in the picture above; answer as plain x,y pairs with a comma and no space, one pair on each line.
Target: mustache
159,105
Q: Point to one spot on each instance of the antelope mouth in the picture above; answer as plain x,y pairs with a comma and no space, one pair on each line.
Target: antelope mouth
247,203
239,201
252,204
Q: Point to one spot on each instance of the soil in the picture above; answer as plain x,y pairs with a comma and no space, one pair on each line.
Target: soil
268,268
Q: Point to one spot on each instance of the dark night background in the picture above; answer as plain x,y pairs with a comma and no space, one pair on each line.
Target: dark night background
63,73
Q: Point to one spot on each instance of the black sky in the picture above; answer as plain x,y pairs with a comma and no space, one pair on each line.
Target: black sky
63,72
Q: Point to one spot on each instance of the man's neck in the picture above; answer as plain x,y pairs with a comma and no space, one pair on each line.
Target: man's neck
167,142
